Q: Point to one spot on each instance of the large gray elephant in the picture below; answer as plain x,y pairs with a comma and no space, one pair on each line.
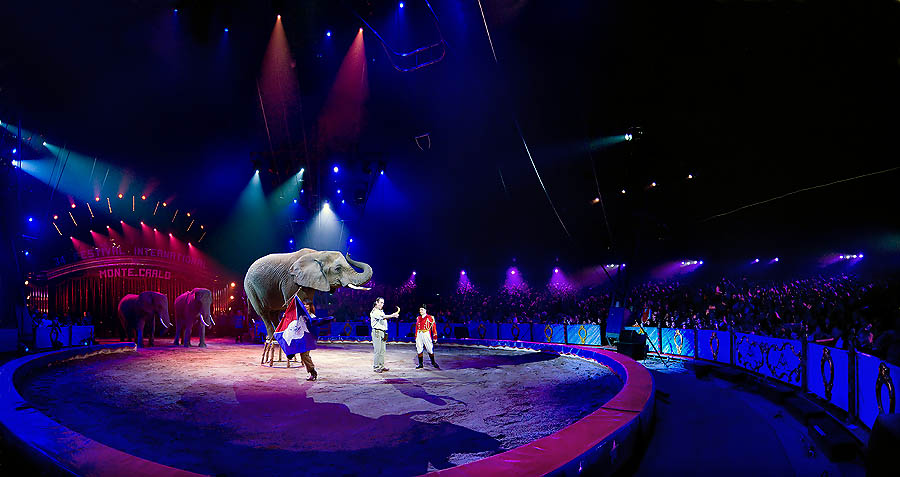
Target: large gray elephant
272,280
189,306
137,310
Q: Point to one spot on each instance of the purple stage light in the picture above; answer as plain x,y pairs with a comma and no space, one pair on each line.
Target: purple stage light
842,257
701,262
776,259
756,261
555,270
328,33
513,272
335,169
462,272
414,272
860,255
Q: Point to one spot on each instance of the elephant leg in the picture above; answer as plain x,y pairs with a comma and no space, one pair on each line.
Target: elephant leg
152,330
139,335
270,327
177,330
202,335
186,335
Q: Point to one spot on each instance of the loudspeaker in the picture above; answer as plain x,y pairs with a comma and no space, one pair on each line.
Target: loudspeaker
362,330
632,344
461,332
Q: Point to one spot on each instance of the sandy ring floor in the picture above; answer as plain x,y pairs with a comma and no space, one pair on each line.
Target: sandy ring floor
217,411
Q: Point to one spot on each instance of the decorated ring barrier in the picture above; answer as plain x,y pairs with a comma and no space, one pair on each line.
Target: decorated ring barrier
862,385
602,441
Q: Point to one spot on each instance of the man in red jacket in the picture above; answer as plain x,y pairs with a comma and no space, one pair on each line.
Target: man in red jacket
426,336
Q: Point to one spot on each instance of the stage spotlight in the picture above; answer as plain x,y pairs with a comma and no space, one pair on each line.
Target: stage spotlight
860,255
342,201
31,219
414,272
756,261
513,272
462,272
841,257
142,222
382,172
555,270
26,253
653,184
108,227
257,172
233,284
351,240
325,205
401,4
627,136
701,262
291,241
143,197
335,169
338,191
302,170
14,150
154,229
120,196
165,204
595,200
97,199
55,217
328,33
690,176
44,143
26,281
170,234
295,201
623,191
226,29
278,17
776,259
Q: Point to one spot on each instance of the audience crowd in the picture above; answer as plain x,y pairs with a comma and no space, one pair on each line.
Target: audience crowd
831,310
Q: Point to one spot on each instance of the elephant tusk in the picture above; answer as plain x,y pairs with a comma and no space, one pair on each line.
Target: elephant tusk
163,323
212,320
356,287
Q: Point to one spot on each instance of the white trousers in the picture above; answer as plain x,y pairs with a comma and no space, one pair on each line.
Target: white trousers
423,340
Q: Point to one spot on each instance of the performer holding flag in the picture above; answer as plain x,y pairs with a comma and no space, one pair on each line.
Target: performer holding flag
297,334
425,332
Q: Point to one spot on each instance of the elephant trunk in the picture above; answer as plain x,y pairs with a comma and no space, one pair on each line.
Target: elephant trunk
360,278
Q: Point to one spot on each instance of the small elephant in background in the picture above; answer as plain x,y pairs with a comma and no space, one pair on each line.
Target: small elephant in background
189,306
135,311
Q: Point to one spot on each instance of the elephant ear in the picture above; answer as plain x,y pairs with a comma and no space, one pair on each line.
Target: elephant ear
145,302
309,272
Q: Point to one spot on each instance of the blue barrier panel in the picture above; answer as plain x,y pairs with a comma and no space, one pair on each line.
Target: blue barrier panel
515,331
678,341
445,330
549,333
876,386
406,330
772,357
483,330
827,374
652,335
584,334
713,345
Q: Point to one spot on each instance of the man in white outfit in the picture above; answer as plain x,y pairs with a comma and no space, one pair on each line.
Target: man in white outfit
426,336
379,332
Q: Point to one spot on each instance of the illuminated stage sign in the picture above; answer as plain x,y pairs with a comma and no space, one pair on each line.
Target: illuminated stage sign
137,251
130,272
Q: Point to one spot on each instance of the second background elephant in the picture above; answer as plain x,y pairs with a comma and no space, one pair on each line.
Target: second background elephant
189,306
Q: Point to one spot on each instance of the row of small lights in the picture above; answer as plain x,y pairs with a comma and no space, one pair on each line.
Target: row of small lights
596,200
327,33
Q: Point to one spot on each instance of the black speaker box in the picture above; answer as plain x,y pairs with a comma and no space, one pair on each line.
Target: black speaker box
461,332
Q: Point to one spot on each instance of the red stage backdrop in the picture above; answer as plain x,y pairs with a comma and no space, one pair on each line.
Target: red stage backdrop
98,278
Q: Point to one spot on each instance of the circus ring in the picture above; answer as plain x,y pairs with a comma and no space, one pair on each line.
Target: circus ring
602,440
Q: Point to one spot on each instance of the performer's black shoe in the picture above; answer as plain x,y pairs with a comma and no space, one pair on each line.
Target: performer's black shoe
420,366
312,375
433,363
